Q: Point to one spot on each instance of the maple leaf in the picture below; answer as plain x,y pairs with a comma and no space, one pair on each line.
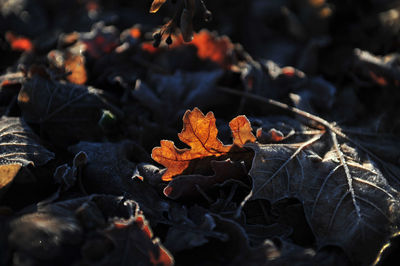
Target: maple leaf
200,133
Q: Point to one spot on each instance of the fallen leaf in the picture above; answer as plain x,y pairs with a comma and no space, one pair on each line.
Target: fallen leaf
174,94
65,111
155,6
190,234
19,147
134,243
347,201
200,133
102,175
7,173
109,170
187,186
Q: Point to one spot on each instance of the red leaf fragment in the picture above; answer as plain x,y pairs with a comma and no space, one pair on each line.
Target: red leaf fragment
155,6
19,43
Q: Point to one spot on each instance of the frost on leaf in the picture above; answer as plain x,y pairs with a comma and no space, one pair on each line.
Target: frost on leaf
18,148
347,200
200,133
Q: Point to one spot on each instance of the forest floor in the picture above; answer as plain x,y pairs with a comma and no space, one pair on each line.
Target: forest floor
268,134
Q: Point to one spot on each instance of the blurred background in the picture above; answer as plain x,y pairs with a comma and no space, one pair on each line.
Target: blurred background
279,30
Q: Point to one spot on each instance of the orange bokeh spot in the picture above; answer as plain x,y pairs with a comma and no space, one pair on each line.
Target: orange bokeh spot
148,47
135,33
217,49
76,65
92,6
209,46
19,43
6,82
288,71
381,81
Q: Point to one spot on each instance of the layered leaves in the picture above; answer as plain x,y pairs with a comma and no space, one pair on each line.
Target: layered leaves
19,147
200,133
347,200
65,111
134,241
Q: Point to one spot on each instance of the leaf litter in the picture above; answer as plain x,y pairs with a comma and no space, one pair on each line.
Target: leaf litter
90,90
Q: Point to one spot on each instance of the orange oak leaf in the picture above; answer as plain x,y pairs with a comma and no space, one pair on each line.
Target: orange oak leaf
200,133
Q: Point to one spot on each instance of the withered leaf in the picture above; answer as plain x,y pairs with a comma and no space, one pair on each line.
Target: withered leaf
194,229
108,166
175,93
155,6
66,112
186,186
109,170
72,62
19,147
200,133
347,200
135,244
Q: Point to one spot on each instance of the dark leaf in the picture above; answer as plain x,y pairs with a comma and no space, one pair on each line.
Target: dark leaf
347,200
66,112
109,167
134,243
189,186
19,148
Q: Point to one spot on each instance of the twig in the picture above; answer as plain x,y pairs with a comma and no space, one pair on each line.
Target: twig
327,125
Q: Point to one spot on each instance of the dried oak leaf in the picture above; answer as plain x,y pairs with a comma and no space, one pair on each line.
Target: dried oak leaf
19,147
347,200
200,133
